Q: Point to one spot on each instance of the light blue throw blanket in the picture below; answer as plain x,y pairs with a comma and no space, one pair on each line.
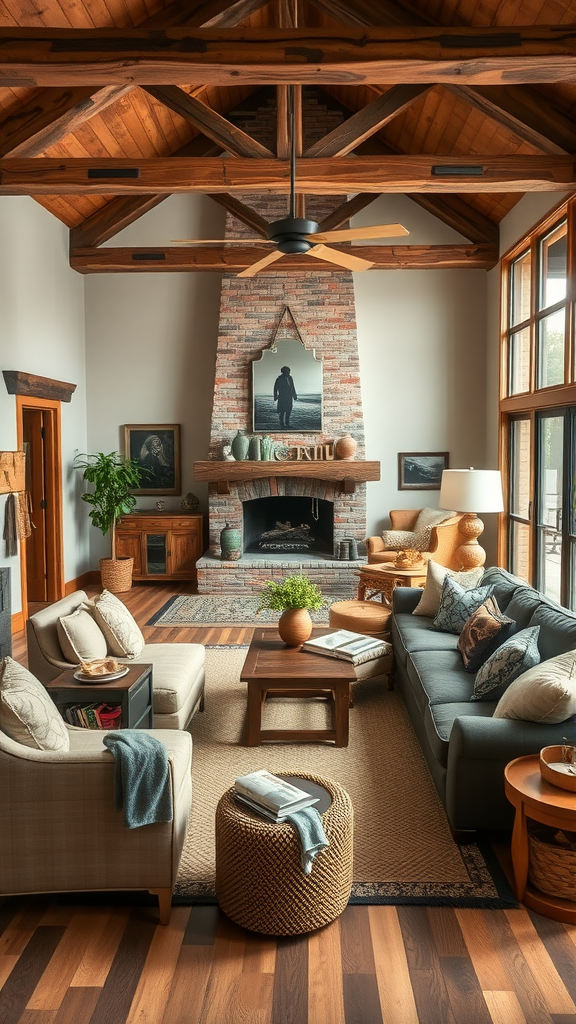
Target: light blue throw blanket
141,777
311,834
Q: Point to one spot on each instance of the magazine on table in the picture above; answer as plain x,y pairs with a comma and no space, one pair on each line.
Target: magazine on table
269,792
269,815
347,645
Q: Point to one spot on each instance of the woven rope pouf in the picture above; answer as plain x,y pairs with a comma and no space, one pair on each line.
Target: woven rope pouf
369,617
260,882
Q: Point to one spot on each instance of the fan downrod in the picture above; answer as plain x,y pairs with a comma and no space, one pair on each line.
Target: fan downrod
289,234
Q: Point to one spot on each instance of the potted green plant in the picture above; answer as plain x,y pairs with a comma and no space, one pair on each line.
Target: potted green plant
114,478
295,597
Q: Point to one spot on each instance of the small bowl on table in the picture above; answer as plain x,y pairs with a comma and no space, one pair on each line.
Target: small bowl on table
556,769
409,559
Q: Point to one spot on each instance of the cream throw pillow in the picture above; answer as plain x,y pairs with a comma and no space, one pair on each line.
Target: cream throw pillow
545,693
123,635
428,518
27,714
81,639
429,603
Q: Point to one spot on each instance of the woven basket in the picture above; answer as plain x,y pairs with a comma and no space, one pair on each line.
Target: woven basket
552,868
116,574
260,883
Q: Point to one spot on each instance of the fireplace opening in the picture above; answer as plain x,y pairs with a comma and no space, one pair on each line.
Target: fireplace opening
285,524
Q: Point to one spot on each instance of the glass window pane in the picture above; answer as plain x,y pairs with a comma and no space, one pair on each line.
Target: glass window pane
520,468
520,290
553,267
572,601
551,349
156,553
519,362
520,550
550,492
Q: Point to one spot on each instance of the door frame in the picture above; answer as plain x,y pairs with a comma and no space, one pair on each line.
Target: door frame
54,531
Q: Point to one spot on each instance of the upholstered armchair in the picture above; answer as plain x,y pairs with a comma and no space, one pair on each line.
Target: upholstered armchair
442,545
59,831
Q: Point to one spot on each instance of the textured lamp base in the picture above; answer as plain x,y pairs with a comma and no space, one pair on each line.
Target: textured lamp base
470,554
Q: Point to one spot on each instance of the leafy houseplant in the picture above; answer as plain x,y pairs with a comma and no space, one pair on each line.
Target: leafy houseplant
113,478
294,597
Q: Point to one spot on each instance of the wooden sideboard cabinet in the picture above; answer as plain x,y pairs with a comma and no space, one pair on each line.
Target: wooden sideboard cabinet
164,545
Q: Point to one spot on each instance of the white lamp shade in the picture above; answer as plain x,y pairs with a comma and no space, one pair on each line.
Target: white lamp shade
471,490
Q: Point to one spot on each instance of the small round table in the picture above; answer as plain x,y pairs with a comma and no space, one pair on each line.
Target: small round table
383,579
535,798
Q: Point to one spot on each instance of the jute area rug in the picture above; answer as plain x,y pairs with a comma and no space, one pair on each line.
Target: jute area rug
228,609
403,849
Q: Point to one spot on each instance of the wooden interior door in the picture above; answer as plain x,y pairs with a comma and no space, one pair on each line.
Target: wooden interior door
34,436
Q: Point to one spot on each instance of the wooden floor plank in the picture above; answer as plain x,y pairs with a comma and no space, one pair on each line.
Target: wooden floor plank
38,1017
361,999
189,984
391,965
536,955
7,964
77,1006
428,985
446,932
118,992
356,941
219,1004
253,998
464,992
101,949
560,948
325,987
259,955
18,933
522,980
479,942
202,926
53,984
504,1008
290,996
31,965
153,990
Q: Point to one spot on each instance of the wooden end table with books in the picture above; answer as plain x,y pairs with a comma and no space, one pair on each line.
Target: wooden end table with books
132,692
383,579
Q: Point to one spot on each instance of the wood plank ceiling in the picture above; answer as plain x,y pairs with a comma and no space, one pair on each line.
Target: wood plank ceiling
418,85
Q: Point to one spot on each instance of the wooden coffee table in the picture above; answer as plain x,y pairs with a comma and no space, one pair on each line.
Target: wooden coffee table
383,579
272,669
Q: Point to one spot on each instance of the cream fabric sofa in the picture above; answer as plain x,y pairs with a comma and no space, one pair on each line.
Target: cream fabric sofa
59,831
177,676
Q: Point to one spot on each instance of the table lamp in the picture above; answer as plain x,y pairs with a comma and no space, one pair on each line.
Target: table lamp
471,491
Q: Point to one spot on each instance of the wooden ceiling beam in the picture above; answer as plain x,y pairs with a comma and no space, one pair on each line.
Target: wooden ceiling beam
367,121
234,258
389,56
243,213
330,176
342,214
208,121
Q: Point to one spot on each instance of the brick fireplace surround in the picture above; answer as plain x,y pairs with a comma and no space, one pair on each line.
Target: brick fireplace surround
322,305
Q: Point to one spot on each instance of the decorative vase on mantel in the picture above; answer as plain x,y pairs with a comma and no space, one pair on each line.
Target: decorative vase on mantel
295,626
255,450
267,448
240,446
230,543
345,447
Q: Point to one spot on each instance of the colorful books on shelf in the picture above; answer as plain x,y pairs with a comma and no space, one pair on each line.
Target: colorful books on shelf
354,647
94,716
270,795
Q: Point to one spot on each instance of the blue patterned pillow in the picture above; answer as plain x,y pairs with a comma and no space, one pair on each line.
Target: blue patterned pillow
457,605
509,661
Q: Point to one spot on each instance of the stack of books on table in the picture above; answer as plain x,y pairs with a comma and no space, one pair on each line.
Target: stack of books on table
94,716
271,796
354,647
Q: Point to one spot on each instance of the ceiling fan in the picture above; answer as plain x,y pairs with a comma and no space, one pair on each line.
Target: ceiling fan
296,235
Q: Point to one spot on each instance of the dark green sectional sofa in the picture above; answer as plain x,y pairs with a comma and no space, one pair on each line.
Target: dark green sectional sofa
465,747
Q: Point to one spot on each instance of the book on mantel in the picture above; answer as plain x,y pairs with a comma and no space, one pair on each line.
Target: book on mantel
354,647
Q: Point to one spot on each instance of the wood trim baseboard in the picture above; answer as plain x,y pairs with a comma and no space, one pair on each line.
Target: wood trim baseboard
87,579
17,622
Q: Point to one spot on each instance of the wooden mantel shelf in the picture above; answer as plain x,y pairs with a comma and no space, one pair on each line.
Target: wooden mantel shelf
347,472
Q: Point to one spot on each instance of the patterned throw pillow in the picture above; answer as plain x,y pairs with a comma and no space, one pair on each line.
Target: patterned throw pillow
429,603
123,635
457,605
27,714
486,629
397,540
546,693
514,657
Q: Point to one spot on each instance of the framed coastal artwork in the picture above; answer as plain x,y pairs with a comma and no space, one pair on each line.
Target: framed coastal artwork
421,471
156,447
287,390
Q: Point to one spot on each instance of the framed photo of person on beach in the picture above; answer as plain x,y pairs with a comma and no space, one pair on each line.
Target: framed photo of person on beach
287,390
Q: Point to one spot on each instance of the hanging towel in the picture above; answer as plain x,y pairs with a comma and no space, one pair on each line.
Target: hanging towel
142,777
308,825
10,526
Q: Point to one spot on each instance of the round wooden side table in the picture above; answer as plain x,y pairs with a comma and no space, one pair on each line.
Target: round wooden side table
535,798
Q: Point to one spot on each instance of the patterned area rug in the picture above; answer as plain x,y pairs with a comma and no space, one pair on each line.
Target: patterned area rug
403,849
228,610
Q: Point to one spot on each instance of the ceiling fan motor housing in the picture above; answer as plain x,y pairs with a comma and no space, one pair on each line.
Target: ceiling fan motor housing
289,234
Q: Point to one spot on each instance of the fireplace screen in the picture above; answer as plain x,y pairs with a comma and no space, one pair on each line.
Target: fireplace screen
288,524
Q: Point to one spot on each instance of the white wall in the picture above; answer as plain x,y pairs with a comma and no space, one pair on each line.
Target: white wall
42,332
151,344
421,337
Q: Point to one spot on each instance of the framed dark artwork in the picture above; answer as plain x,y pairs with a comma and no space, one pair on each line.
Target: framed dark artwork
156,447
287,389
421,471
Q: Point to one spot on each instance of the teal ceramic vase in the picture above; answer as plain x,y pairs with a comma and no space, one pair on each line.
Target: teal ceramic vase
240,446
267,448
254,451
230,543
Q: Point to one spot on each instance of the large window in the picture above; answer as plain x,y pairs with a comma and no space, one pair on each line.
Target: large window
538,408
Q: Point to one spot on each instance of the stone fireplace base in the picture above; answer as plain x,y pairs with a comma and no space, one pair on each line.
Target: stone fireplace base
251,572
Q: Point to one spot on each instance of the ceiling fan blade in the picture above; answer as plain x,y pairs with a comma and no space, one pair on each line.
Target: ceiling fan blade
374,231
256,267
221,241
349,262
